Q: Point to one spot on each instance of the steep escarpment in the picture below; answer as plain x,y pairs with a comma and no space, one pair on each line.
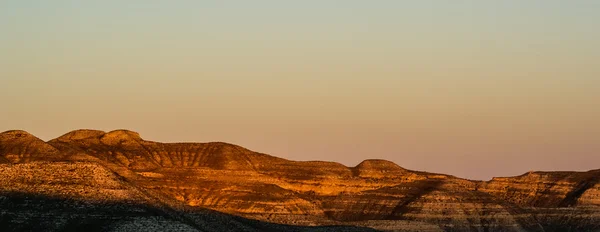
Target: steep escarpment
234,180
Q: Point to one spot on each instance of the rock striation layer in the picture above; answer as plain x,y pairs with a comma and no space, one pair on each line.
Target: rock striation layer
233,180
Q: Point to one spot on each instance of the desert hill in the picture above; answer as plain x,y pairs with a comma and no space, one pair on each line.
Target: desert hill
119,167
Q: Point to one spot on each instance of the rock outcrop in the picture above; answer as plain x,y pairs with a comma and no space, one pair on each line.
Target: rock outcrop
234,180
19,146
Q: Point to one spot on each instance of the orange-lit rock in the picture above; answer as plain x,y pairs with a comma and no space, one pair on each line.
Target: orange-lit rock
375,193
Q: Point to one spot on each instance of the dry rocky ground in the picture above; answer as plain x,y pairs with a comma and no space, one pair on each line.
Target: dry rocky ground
118,181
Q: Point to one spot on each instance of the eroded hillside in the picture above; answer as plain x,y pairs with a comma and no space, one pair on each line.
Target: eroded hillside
234,180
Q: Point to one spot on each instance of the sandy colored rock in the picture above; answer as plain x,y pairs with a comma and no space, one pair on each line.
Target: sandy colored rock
376,193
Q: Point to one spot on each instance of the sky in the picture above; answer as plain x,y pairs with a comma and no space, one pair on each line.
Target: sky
474,89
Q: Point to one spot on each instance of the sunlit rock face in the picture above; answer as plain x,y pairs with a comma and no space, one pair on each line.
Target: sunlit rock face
81,196
19,147
234,180
547,189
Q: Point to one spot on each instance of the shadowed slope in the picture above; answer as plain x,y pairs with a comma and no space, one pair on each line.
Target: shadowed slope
27,212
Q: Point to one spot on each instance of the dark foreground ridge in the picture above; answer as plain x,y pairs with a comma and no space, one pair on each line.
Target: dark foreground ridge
26,212
117,181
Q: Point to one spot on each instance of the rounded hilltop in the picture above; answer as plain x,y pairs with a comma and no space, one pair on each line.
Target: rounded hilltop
80,135
20,137
15,134
377,168
84,134
91,136
17,146
378,164
121,135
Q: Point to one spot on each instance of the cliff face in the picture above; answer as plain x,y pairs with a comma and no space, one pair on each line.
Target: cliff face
376,193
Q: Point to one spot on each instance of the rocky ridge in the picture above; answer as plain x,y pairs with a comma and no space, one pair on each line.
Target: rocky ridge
234,180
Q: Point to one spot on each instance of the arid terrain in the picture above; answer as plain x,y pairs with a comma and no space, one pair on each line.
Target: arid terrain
117,181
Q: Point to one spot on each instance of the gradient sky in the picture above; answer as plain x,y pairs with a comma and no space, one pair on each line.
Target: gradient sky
470,88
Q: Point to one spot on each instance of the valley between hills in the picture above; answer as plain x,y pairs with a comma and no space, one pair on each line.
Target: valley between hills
117,181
